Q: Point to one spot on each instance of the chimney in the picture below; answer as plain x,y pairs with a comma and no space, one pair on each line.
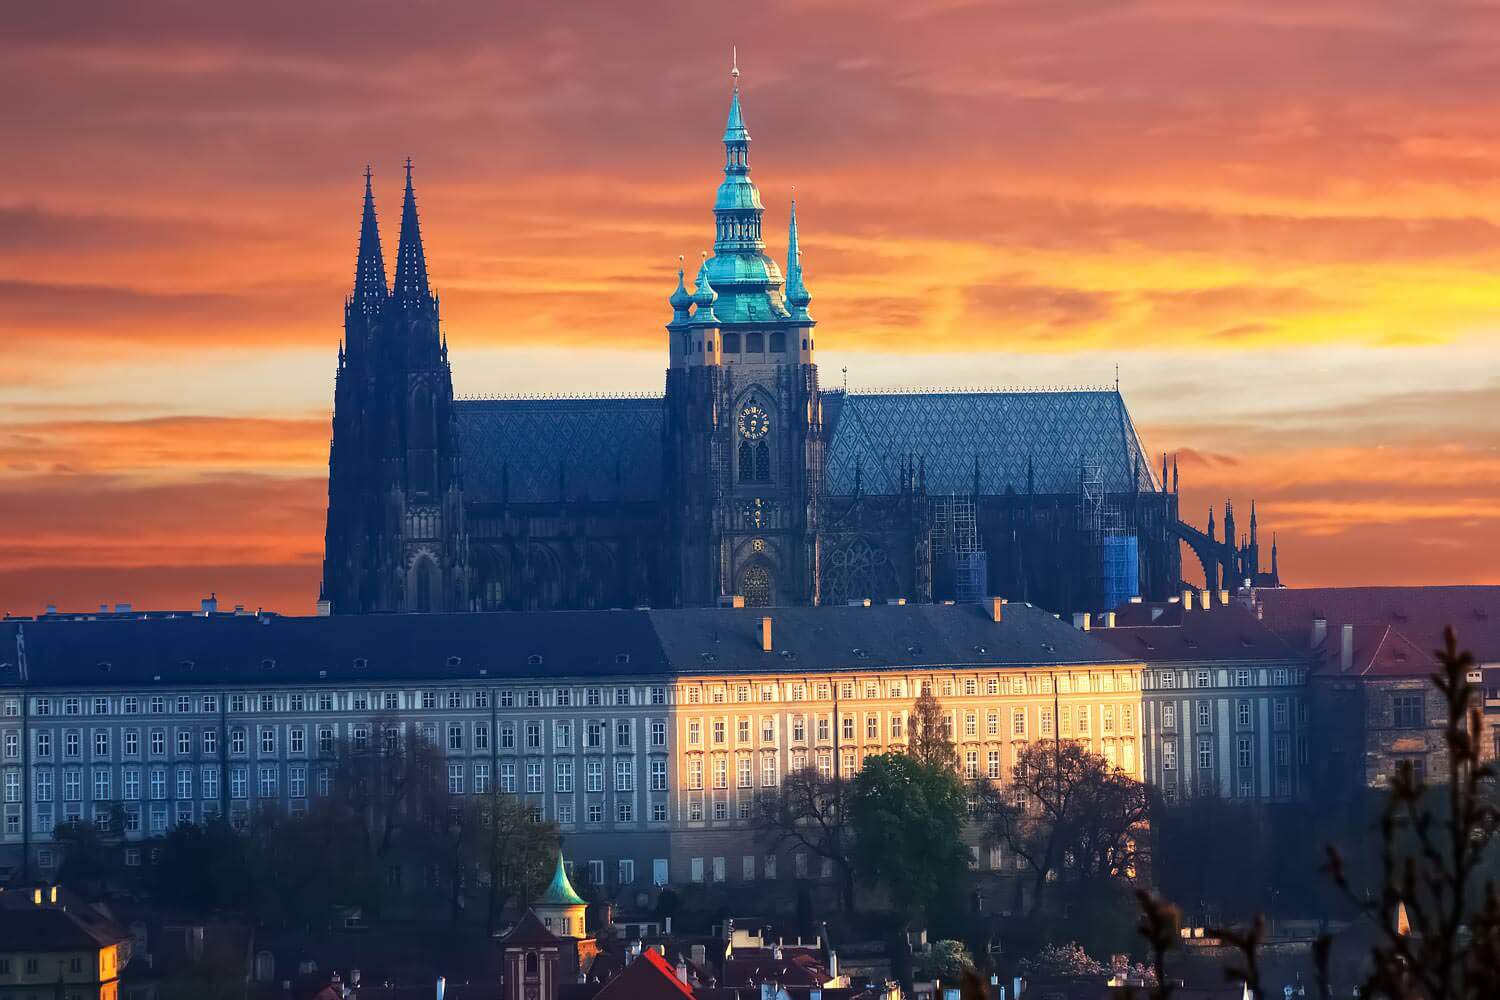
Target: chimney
209,604
681,971
53,893
1107,620
122,608
1205,600
325,607
1319,632
897,601
857,602
1081,620
699,954
833,964
1346,648
731,600
104,609
442,987
1187,600
52,609
765,634
1224,598
997,609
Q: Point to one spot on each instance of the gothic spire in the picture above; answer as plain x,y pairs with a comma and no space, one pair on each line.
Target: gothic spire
369,268
1211,524
1176,482
1252,522
411,263
1275,572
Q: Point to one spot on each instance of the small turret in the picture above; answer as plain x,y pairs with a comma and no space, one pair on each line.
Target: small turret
798,298
1211,537
704,298
680,300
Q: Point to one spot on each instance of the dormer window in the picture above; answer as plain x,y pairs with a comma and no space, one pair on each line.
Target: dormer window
268,664
360,663
454,661
534,660
622,658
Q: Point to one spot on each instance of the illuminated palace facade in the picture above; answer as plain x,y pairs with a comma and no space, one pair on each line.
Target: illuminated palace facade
746,477
648,736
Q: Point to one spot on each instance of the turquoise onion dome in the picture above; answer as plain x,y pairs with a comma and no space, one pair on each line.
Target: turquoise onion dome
704,298
680,300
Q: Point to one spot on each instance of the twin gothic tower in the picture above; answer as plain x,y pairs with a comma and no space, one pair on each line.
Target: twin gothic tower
739,446
395,538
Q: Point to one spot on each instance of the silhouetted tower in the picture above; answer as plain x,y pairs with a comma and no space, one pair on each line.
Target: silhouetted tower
396,539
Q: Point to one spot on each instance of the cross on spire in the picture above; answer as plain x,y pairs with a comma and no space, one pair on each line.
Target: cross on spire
411,261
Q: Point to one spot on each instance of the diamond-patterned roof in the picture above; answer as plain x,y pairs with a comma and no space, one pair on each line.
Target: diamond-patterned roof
560,449
1058,431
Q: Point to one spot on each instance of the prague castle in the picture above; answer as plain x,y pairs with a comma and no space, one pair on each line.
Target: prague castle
746,478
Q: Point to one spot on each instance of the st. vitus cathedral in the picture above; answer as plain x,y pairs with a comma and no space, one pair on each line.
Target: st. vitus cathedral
746,478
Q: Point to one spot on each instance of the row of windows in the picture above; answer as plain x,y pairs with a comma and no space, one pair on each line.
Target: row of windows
1243,677
155,783
458,736
1244,714
329,701
1244,752
969,687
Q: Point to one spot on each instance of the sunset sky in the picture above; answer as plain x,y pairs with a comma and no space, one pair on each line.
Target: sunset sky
1280,220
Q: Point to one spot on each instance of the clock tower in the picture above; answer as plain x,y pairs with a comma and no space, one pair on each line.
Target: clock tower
744,442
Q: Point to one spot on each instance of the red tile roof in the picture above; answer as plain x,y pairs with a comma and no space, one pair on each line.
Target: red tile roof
1419,613
647,978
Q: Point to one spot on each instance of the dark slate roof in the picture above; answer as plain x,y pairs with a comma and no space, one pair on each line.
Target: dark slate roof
544,450
1419,613
236,650
50,929
1057,431
876,637
500,645
1162,632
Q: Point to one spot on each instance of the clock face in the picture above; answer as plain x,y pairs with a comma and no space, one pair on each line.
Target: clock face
754,423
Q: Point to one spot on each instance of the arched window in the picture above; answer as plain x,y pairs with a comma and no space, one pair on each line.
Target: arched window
731,343
424,585
747,462
778,343
762,463
755,343
531,965
755,587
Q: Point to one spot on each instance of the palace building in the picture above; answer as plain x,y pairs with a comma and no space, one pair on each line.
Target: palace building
747,477
646,735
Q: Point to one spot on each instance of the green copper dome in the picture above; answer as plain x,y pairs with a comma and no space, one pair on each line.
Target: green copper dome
560,892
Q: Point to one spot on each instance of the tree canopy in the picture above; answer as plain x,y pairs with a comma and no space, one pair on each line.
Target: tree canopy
907,817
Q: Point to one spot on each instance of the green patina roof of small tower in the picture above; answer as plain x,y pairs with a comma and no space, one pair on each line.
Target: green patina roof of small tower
560,892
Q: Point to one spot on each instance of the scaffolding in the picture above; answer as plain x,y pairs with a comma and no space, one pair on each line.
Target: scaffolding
1111,551
962,562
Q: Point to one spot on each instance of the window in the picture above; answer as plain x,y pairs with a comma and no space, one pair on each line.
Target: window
1168,716
872,727
1169,756
1107,718
1418,766
1242,714
455,736
508,777
268,781
971,764
622,696
209,783
237,782
1242,751
1202,679
993,762
898,722
593,735
743,771
533,776
158,742
695,774
533,736
267,703
455,778
184,782
534,698
1018,722
481,736
623,734
1205,714
624,811
13,745
694,733
768,771
742,730
658,696
158,783
658,733
1242,678
1205,752
482,778
594,776
971,724
624,775
267,740
721,772
718,732
184,741
658,775
507,736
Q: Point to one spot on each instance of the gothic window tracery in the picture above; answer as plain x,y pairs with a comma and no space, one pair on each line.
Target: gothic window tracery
762,463
747,462
755,586
858,570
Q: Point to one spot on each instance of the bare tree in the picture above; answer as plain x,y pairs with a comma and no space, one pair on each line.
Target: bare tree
1070,815
510,848
809,811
